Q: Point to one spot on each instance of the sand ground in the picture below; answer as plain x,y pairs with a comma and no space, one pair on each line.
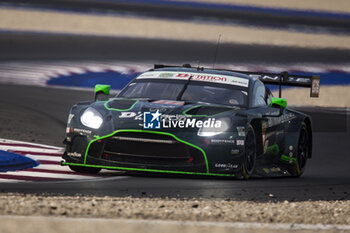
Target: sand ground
216,210
315,5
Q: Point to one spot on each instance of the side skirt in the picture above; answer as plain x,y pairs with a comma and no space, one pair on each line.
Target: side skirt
146,170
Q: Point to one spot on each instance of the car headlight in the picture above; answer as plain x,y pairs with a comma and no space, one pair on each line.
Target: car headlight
91,118
215,129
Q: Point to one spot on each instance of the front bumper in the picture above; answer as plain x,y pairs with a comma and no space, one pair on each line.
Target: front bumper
153,151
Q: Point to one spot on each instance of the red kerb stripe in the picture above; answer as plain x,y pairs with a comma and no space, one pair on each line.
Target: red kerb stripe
20,152
25,145
29,178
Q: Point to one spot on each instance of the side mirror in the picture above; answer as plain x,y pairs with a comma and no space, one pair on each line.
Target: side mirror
278,103
101,91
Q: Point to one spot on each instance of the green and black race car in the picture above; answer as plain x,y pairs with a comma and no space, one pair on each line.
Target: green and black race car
196,121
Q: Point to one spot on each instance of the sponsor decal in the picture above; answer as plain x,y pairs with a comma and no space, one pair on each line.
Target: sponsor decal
279,120
265,77
287,117
166,75
139,115
82,131
277,78
157,120
240,142
151,120
127,114
241,131
192,123
226,165
176,117
162,110
147,75
74,154
222,141
183,75
215,78
235,151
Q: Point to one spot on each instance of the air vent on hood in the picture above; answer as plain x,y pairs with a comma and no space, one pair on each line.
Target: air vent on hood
120,104
206,110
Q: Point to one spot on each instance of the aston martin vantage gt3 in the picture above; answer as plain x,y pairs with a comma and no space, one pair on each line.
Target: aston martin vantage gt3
195,121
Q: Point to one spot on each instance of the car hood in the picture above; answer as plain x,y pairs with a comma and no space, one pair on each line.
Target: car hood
123,107
129,113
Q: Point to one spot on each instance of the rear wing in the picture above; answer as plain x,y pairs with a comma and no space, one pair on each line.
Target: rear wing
286,79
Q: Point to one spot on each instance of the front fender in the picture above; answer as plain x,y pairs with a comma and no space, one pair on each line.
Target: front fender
292,132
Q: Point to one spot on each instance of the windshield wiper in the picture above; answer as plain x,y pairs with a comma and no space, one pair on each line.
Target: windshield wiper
179,96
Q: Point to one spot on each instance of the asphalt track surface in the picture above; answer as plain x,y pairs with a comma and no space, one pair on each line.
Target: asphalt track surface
244,15
39,114
17,46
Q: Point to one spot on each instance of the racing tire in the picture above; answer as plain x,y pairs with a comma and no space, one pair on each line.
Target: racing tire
249,158
303,150
87,170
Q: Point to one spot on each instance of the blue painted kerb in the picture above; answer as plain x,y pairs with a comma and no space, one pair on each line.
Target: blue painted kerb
13,162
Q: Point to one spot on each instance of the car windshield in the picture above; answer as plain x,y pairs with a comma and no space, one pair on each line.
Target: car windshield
195,91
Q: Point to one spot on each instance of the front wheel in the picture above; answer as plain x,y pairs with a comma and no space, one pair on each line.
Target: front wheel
88,170
249,159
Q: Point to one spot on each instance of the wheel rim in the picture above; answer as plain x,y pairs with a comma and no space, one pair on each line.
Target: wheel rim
303,149
250,153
